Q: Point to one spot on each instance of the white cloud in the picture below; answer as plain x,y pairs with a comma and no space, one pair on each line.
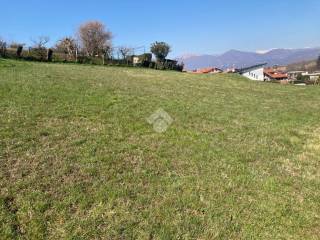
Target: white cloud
264,51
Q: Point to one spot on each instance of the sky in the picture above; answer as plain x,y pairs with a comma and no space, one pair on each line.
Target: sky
189,26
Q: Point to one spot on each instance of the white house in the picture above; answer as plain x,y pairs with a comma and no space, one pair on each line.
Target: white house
254,72
136,60
312,76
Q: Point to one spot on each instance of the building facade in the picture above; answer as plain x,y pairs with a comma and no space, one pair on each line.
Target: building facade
254,73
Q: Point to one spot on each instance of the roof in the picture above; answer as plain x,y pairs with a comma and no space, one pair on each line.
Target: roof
248,69
275,74
208,70
294,72
312,74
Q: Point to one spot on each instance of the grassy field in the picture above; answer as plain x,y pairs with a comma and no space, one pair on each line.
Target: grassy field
80,161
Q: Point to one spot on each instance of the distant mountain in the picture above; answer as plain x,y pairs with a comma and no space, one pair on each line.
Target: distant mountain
239,59
309,66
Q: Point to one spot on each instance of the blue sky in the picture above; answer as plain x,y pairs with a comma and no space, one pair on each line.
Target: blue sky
199,27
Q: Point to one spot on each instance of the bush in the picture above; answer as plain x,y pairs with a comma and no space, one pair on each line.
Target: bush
302,79
160,66
146,57
90,60
39,53
167,65
19,51
49,55
58,56
145,64
152,65
84,60
3,48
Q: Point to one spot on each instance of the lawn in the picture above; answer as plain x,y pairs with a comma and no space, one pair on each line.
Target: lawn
79,160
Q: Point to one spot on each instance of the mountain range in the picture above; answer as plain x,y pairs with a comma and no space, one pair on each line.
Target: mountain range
240,59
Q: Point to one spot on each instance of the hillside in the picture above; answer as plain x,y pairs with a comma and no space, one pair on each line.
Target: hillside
239,59
303,66
79,159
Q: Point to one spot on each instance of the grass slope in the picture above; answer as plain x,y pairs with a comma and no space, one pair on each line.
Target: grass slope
79,160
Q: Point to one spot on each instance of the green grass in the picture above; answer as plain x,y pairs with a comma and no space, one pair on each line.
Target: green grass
80,161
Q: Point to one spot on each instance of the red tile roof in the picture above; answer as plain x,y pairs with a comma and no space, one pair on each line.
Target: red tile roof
274,74
208,70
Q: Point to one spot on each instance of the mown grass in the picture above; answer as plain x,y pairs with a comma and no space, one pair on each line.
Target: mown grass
80,161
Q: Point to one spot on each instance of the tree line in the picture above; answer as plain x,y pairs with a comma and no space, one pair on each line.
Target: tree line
92,43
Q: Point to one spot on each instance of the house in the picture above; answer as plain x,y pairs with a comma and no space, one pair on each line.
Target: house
231,70
312,76
140,59
209,70
254,72
135,60
270,74
294,74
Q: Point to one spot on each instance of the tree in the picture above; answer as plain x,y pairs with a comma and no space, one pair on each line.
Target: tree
41,42
318,63
124,52
160,50
94,38
49,55
3,48
19,51
39,47
68,45
108,52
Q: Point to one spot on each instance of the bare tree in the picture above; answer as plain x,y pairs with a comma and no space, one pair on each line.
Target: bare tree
109,52
39,47
69,46
125,52
41,42
94,38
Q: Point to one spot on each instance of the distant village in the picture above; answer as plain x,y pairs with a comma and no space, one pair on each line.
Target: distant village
262,72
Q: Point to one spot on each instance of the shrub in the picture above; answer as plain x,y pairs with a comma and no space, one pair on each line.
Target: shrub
145,57
160,66
19,51
90,60
152,65
84,60
302,79
39,49
49,55
3,48
39,54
